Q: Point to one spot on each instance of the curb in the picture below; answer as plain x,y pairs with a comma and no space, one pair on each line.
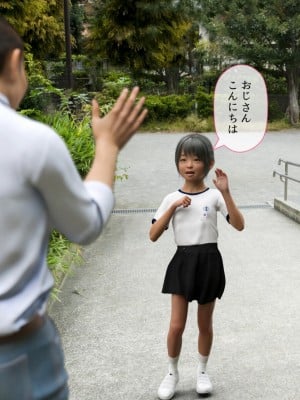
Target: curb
288,208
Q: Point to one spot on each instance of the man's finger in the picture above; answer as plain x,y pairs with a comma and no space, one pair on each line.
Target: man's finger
95,109
136,111
121,100
138,121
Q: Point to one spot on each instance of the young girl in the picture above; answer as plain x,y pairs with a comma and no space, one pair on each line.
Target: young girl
196,270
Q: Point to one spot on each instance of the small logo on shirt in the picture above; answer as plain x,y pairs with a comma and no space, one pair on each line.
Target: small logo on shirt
205,211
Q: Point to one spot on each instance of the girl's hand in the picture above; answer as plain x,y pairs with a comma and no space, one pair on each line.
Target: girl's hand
184,201
236,218
221,181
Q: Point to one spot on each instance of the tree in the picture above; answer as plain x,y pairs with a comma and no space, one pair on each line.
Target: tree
77,17
143,35
38,22
263,33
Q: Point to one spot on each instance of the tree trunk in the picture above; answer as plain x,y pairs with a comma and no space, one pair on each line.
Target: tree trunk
293,91
172,78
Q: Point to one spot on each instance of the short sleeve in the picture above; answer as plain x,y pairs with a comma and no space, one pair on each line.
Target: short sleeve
221,206
161,209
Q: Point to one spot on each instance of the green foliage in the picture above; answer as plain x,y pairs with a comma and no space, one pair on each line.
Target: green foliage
41,91
77,135
192,123
168,107
151,84
275,83
114,82
61,255
124,31
261,33
275,112
277,95
143,35
112,85
204,103
39,23
77,18
76,105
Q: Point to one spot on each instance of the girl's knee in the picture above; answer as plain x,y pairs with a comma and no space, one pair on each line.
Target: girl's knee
206,330
176,329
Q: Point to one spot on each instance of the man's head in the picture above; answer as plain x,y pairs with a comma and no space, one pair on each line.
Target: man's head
13,82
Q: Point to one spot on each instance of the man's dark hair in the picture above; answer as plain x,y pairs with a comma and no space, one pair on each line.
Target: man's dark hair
9,40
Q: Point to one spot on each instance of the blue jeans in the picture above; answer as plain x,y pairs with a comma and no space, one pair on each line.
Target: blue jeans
33,368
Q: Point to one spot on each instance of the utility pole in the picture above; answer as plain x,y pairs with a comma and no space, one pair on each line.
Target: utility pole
69,75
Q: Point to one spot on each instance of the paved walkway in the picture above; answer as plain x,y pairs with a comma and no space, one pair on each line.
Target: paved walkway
113,318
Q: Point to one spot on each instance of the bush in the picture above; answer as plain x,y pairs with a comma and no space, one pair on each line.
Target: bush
275,84
276,111
61,255
168,107
41,94
114,82
204,104
77,135
195,124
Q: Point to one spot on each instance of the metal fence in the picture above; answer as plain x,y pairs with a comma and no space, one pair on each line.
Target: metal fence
285,178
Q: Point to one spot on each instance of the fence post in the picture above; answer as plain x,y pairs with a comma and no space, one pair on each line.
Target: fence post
286,180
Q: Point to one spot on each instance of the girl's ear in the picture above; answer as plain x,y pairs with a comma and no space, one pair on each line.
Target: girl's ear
211,165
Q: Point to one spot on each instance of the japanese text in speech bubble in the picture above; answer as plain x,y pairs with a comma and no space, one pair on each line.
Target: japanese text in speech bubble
240,108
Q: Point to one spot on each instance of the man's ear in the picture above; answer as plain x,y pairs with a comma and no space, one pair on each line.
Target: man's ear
13,65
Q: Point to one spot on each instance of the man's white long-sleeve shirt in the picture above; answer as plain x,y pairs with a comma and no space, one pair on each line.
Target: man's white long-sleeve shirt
40,190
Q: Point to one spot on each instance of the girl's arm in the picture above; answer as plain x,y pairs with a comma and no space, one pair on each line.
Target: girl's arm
235,216
159,226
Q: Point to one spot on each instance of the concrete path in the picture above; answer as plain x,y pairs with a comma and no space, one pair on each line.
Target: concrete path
113,318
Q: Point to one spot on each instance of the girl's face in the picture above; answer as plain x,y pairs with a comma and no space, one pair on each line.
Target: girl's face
191,168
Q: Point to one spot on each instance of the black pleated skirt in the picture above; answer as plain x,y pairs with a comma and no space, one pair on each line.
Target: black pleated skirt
196,272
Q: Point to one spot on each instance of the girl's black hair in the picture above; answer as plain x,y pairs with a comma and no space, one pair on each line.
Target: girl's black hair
198,145
9,41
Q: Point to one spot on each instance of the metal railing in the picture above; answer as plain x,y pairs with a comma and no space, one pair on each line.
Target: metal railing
285,177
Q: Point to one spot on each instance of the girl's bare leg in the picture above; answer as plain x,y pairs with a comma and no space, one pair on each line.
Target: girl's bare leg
205,324
179,311
177,324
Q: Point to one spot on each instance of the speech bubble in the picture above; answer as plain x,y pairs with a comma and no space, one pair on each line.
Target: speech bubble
240,108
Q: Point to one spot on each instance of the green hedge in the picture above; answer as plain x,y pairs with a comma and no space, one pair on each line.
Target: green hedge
169,107
204,104
179,106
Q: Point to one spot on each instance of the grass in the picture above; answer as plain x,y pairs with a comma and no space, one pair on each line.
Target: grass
62,255
190,123
280,125
194,124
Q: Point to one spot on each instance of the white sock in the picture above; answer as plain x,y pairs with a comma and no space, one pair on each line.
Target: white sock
202,362
173,362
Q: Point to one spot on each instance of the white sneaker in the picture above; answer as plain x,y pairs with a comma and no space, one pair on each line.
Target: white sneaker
204,385
167,388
